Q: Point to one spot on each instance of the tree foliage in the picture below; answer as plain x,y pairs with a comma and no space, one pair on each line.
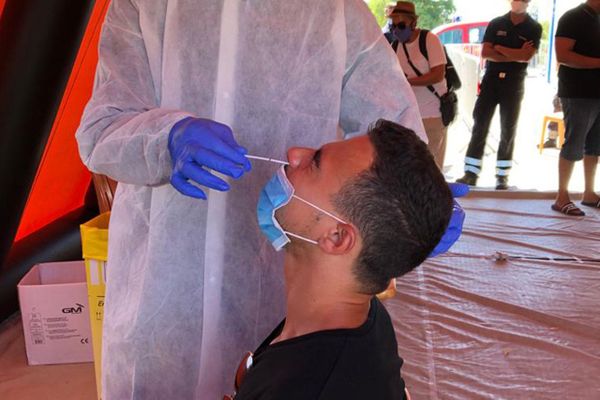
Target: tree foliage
431,13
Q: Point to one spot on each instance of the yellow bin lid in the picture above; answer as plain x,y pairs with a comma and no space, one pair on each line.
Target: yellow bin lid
94,237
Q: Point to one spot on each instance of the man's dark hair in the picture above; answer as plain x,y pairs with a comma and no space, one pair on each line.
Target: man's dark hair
401,206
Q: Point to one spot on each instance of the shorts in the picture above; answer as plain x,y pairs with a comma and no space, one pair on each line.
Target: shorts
582,128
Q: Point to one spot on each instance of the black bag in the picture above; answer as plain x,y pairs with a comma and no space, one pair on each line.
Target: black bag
448,107
452,78
448,101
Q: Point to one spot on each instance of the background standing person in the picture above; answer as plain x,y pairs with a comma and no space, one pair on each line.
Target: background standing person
391,20
510,41
578,52
192,283
431,73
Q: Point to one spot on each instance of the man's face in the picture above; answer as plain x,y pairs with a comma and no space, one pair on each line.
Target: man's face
520,1
406,19
395,18
519,6
316,176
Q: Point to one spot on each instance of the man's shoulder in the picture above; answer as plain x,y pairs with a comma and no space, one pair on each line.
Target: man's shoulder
297,368
331,364
377,333
573,15
369,365
571,22
533,23
430,36
534,27
500,20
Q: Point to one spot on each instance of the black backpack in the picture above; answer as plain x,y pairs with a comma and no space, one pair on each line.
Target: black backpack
452,78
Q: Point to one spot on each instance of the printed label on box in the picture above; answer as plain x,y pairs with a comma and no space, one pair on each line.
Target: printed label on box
50,328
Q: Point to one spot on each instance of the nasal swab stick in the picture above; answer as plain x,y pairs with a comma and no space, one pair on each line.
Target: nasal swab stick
267,159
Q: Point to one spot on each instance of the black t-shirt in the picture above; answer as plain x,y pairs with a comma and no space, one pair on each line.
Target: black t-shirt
361,363
502,31
581,24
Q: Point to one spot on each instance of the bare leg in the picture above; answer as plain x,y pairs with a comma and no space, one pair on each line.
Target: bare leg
589,168
565,169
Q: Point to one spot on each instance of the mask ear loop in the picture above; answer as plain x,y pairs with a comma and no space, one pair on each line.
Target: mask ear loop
302,238
299,198
320,209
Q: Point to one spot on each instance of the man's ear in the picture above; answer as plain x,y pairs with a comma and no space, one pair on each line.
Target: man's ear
339,240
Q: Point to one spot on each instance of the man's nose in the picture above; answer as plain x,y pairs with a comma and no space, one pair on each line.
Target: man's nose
299,157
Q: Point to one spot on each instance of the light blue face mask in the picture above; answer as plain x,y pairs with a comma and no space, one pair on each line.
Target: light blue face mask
275,194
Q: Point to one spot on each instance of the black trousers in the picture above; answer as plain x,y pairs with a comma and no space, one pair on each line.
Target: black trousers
496,90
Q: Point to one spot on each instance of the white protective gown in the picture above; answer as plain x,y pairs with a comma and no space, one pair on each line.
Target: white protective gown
193,284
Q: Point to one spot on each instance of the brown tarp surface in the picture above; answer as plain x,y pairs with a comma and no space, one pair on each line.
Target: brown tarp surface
468,327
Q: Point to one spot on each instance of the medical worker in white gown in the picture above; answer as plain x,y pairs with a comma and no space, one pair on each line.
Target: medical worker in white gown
192,284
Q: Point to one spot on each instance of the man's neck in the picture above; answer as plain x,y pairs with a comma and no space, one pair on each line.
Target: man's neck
319,298
517,18
594,6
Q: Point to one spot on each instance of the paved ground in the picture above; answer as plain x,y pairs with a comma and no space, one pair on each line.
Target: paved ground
531,170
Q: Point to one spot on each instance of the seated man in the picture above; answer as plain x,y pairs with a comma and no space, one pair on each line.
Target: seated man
351,215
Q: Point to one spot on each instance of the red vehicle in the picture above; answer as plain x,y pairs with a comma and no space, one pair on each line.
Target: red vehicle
461,32
467,34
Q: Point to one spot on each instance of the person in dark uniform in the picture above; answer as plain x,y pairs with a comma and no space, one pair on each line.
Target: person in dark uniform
337,340
510,41
578,52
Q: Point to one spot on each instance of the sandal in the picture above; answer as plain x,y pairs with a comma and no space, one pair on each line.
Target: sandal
591,204
569,209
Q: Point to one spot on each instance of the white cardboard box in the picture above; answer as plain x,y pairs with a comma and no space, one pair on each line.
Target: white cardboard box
54,309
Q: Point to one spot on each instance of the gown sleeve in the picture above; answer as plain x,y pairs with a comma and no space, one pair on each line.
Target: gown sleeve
123,132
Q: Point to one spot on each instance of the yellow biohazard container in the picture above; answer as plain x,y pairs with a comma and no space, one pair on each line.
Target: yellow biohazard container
94,243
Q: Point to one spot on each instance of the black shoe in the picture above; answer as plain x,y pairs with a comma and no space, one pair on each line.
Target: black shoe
468,179
501,182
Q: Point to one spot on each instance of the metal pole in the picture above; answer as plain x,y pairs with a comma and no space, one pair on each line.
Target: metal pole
551,43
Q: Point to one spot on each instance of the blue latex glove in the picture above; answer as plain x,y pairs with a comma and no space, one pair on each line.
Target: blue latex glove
456,220
197,145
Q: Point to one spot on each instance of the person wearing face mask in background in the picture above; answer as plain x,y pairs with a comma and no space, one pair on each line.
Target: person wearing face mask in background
510,41
391,20
425,75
